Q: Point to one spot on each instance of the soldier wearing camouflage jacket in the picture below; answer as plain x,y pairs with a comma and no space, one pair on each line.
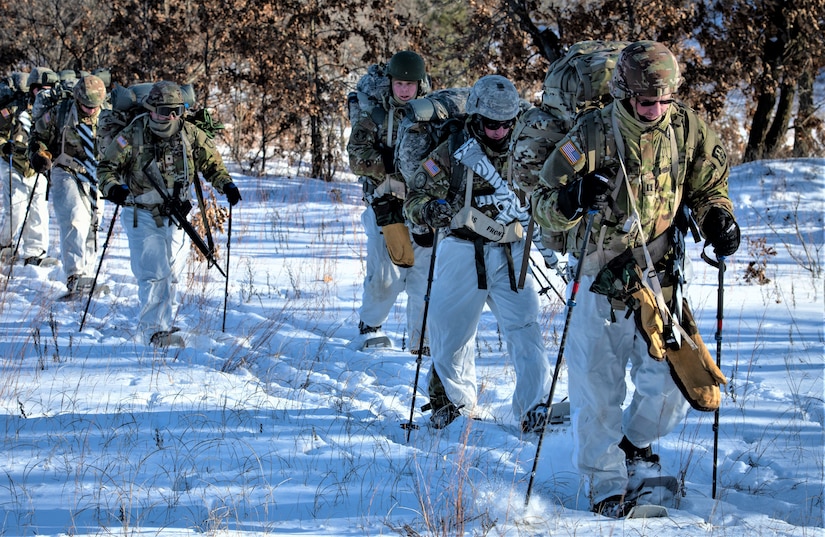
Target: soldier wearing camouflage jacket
158,247
629,167
371,150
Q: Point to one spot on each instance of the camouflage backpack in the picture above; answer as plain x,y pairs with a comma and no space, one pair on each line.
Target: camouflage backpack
576,82
428,121
371,91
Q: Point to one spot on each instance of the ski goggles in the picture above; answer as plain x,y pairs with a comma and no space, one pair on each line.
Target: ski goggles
493,125
169,111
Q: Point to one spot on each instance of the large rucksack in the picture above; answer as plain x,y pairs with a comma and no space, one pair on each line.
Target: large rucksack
575,83
371,91
428,121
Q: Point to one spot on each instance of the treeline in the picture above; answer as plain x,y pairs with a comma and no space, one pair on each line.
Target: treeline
277,71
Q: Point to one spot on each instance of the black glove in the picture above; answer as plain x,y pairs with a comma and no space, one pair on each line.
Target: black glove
589,192
387,157
721,231
118,194
7,149
41,161
233,195
437,213
388,210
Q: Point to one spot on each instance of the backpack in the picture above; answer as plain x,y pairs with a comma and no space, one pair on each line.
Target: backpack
428,121
370,93
576,82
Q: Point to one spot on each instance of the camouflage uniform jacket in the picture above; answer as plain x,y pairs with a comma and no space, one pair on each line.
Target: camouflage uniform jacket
432,181
701,181
123,162
15,126
364,157
57,130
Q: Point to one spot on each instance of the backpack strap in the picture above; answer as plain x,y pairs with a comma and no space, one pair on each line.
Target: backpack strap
456,139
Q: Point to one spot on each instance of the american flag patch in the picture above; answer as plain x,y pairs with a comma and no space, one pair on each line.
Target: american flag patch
571,153
5,113
121,141
431,167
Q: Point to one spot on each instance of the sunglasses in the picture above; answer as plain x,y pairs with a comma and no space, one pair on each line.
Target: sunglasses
169,111
648,103
493,125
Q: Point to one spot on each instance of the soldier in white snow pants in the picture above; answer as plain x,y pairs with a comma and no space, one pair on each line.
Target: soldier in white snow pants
158,259
598,351
455,309
73,201
34,240
386,280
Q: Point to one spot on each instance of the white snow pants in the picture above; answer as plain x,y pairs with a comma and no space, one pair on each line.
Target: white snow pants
385,280
597,352
157,256
456,304
76,221
35,238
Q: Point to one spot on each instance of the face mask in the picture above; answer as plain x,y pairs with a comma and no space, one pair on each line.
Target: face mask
164,129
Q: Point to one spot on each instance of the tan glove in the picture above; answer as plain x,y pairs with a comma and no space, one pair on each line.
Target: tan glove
694,371
399,246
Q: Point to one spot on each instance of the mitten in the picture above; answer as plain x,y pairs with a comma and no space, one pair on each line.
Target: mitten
721,231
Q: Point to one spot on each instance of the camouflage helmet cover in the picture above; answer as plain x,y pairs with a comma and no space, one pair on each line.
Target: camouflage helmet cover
164,93
407,65
90,91
42,76
493,97
646,69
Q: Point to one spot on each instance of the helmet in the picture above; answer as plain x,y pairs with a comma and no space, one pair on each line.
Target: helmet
67,74
646,69
407,65
493,97
90,91
164,93
42,76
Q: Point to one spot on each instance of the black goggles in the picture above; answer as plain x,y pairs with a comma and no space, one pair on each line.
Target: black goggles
493,125
169,111
647,103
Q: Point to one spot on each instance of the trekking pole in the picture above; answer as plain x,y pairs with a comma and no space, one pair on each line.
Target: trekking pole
570,305
720,298
409,426
226,286
13,257
546,278
99,265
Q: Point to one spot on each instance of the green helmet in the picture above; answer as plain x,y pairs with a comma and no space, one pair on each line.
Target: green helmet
407,65
67,74
164,93
493,97
42,76
90,91
645,69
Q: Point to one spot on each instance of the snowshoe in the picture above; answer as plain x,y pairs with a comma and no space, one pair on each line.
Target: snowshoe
617,506
370,337
40,261
167,338
78,286
443,416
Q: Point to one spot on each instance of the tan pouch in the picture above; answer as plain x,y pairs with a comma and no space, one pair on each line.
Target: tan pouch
399,246
694,371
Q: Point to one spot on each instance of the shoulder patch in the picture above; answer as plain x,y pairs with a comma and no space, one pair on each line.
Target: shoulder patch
720,154
431,167
121,141
571,153
5,112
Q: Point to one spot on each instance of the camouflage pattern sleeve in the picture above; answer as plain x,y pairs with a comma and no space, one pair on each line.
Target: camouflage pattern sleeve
561,167
431,181
364,159
112,163
535,135
207,158
706,184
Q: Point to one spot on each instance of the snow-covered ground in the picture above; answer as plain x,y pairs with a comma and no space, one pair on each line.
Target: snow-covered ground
276,427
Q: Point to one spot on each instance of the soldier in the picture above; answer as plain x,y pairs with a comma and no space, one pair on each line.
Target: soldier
396,260
629,167
27,214
65,135
460,191
157,147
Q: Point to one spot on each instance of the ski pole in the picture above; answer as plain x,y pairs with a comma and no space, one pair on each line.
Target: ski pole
99,265
409,426
720,298
226,286
550,285
571,303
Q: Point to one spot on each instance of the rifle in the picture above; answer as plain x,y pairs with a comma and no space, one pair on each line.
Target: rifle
177,213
